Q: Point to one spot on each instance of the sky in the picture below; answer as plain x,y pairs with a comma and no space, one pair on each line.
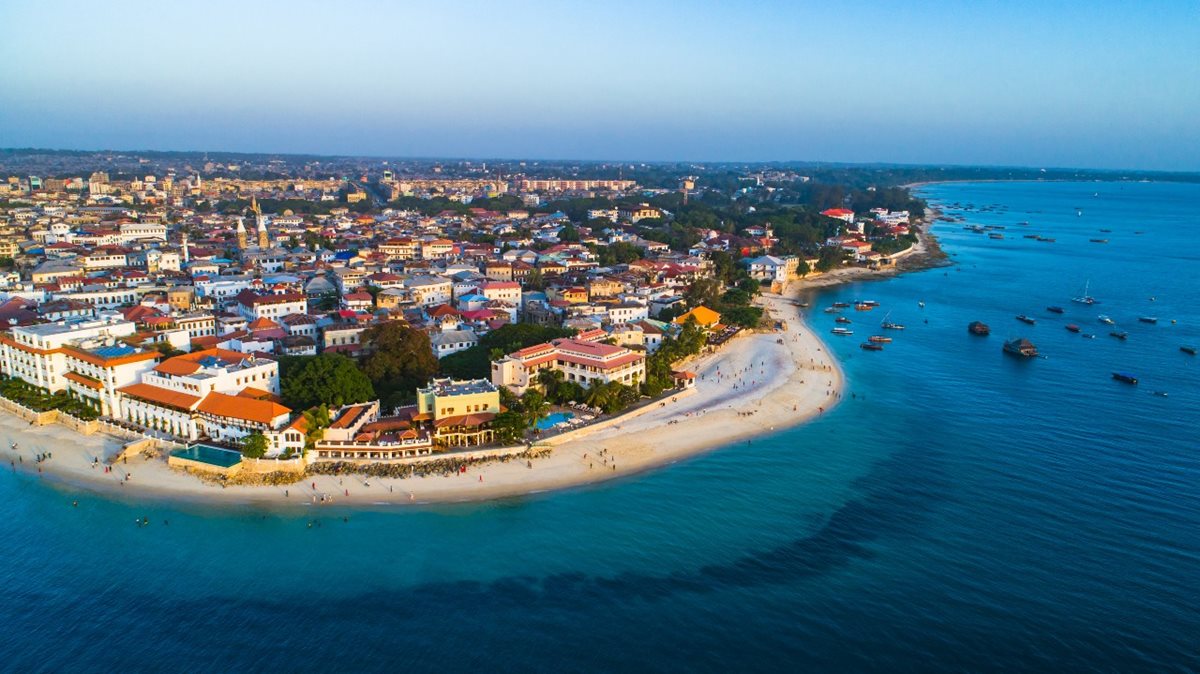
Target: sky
1047,84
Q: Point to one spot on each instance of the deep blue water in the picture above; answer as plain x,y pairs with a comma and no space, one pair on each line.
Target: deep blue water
963,511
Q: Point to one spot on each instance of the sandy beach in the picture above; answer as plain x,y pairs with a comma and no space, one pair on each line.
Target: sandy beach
756,384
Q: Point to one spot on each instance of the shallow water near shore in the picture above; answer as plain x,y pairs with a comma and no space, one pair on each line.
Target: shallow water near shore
960,510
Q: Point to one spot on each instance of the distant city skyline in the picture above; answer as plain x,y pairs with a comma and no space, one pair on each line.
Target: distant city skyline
1102,85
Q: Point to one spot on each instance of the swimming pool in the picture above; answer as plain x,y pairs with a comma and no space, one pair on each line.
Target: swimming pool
550,420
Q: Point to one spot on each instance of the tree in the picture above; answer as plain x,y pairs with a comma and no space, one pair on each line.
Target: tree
509,426
399,359
535,406
316,420
327,379
535,280
254,446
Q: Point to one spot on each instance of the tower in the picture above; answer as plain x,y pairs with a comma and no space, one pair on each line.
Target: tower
184,244
261,223
241,234
264,240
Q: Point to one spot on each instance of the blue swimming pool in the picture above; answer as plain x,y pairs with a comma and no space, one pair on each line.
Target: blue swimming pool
550,420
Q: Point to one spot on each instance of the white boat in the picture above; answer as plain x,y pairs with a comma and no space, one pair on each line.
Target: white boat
842,331
1085,298
1105,319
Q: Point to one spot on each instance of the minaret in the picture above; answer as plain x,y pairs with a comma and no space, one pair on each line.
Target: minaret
186,257
261,222
241,234
264,240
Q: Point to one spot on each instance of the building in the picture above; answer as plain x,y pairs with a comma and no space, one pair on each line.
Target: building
579,361
461,412
82,357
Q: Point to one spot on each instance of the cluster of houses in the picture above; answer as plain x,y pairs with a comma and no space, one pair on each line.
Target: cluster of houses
857,244
172,320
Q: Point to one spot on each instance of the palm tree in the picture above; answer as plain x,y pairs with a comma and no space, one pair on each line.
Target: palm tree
549,380
598,394
535,406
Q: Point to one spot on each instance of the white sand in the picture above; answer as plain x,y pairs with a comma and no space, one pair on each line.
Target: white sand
778,385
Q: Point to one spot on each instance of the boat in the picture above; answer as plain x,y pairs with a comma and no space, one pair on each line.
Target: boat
1072,327
841,319
879,339
1023,223
1045,239
887,325
1161,394
1085,298
1020,347
921,304
1125,377
1106,231
1119,335
1088,336
1032,236
1190,350
995,235
842,331
978,328
1025,319
830,310
1148,319
1105,319
840,305
868,346
870,303
1055,310
1098,240
863,306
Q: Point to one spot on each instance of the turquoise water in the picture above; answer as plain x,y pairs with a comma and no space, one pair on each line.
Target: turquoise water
961,510
551,419
206,454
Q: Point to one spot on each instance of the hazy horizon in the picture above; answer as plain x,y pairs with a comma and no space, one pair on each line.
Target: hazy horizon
1055,85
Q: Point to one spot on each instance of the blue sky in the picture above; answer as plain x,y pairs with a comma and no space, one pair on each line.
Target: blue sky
1096,84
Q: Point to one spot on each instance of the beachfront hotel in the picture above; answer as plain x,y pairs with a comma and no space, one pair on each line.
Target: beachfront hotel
80,355
448,413
219,394
580,361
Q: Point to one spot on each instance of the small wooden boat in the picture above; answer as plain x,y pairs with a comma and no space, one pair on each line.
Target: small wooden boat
879,339
868,346
841,319
978,328
1125,377
863,306
1072,327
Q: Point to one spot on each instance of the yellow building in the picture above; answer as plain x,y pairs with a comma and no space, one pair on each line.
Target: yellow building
461,412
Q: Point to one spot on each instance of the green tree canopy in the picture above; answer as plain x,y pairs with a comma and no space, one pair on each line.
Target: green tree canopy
255,446
328,379
399,359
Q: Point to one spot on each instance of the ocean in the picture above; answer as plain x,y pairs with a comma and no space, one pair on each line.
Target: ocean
961,510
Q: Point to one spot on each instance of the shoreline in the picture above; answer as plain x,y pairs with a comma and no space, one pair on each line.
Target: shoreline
795,382
754,386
